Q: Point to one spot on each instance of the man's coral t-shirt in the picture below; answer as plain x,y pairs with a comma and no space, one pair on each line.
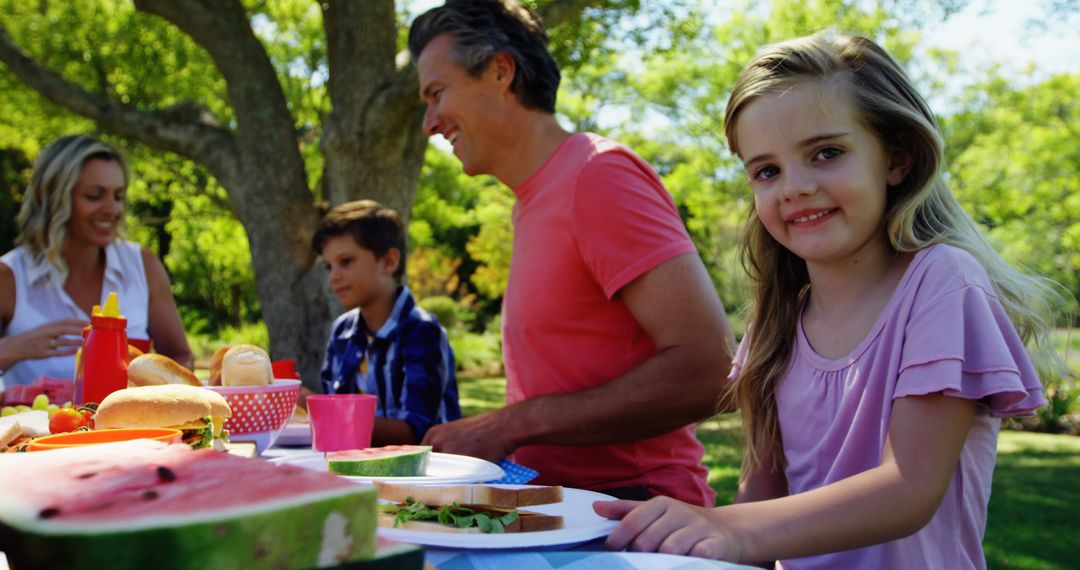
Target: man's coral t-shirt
592,219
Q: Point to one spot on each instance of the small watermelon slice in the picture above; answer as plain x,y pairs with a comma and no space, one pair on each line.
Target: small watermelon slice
145,504
388,461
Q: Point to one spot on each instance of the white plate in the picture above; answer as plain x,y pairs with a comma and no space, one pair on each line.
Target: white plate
442,468
295,434
581,524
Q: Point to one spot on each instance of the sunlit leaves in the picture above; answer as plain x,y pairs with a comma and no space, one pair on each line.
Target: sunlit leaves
1015,166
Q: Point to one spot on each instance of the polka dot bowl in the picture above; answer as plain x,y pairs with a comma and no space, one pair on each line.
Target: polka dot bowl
259,413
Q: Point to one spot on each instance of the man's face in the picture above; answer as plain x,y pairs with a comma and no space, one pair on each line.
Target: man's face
465,110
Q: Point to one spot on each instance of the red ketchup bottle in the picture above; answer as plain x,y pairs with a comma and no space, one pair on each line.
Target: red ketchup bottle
78,355
104,359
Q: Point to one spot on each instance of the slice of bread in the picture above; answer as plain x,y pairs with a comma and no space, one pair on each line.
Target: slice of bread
503,497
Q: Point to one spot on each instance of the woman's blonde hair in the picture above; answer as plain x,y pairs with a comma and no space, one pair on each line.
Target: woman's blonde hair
920,212
46,206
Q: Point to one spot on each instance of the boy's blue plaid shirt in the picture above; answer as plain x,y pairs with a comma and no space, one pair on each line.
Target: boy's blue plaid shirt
407,363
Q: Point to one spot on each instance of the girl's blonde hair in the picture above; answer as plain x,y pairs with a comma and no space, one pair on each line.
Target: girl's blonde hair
46,207
920,212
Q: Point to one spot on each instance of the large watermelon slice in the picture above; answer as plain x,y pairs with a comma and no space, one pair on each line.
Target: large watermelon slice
144,504
388,461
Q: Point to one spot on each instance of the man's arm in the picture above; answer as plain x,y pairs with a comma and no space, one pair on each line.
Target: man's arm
676,305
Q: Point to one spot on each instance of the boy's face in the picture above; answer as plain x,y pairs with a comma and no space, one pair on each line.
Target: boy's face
357,277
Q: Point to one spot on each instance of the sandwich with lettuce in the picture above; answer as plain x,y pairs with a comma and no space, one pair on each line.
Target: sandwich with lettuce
197,412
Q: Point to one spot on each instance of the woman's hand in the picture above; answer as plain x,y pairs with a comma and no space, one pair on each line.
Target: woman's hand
57,338
669,526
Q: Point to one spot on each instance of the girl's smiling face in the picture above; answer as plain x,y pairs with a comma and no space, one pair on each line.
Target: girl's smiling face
819,175
97,203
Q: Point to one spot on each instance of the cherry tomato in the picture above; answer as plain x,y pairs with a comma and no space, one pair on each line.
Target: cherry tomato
67,419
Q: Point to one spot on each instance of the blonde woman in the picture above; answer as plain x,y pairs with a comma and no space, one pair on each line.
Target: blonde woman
69,257
886,338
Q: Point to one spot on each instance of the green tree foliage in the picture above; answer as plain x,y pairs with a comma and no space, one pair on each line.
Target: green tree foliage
1015,166
654,75
286,103
14,176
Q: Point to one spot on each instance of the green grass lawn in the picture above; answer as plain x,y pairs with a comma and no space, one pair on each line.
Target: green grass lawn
1034,522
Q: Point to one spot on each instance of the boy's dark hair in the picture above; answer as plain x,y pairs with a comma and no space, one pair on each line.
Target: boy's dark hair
372,225
483,28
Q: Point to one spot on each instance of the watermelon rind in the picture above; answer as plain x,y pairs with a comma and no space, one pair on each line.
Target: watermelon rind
305,534
389,555
411,462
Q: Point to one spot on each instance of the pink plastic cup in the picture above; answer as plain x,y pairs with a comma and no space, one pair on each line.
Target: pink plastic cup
341,422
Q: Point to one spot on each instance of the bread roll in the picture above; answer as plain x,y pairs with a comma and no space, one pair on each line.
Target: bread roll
155,369
219,407
134,352
215,365
153,406
246,365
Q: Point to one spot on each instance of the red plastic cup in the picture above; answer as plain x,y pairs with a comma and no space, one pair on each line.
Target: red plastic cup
285,369
340,422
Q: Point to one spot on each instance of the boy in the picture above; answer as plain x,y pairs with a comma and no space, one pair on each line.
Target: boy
384,344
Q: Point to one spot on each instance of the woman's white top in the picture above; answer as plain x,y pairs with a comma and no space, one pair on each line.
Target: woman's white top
40,298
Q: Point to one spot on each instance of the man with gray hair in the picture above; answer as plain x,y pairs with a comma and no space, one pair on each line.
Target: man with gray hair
614,339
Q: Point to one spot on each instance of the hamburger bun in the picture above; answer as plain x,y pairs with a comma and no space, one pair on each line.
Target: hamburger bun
246,365
155,369
154,406
198,413
219,408
215,365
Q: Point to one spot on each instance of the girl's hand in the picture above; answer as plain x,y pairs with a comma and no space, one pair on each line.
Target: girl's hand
58,338
669,526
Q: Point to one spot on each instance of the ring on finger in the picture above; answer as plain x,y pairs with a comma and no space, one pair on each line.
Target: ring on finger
52,343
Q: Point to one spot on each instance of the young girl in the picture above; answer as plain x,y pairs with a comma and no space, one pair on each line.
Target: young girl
886,338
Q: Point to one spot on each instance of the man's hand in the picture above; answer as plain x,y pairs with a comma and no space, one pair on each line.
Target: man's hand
483,436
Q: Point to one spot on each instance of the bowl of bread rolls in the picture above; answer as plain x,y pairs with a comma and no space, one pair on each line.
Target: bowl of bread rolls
260,404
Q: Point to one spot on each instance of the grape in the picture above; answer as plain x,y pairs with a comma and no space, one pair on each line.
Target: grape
41,401
22,408
7,411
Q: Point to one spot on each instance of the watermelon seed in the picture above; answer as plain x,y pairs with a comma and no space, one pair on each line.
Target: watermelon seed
150,495
165,474
49,512
85,475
